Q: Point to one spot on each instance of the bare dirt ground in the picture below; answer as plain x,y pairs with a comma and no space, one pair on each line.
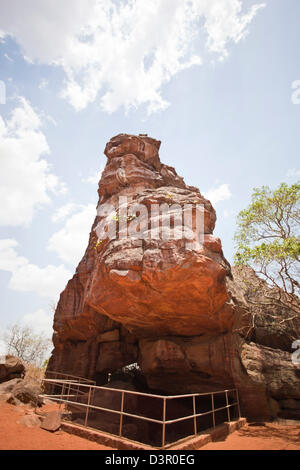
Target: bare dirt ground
267,436
16,436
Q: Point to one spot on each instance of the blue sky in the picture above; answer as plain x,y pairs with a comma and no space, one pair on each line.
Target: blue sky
211,79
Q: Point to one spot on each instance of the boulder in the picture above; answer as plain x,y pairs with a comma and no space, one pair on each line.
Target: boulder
271,323
7,387
11,367
173,305
273,368
52,421
125,289
27,391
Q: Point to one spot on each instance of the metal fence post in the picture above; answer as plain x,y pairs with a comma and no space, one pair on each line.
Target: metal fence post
88,407
52,389
62,395
213,409
227,405
195,417
69,391
164,423
121,414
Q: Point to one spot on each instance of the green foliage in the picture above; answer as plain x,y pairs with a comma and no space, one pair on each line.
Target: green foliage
267,238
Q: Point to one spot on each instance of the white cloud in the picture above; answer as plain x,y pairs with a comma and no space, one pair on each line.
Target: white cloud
224,21
25,178
2,345
123,52
39,321
95,178
228,213
217,194
26,277
62,212
8,58
2,348
292,173
70,242
43,84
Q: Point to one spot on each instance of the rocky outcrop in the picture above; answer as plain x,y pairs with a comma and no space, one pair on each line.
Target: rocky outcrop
7,387
170,303
11,367
26,391
20,391
52,421
274,320
264,370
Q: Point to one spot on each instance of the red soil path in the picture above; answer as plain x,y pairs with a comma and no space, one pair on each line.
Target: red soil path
15,436
270,436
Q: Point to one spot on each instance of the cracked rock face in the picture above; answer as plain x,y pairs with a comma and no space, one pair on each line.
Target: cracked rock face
153,284
168,303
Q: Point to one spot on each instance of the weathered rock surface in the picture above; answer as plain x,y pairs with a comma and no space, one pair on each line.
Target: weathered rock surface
27,391
184,364
52,421
177,310
7,387
20,391
11,367
272,323
146,284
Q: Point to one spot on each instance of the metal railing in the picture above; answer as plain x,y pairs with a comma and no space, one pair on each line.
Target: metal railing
64,376
58,378
72,394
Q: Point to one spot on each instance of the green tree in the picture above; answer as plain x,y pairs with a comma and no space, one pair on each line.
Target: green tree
267,240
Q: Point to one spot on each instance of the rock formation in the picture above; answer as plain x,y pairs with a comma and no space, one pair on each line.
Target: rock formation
11,367
169,304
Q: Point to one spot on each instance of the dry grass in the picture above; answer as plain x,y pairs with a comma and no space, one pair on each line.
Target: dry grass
33,372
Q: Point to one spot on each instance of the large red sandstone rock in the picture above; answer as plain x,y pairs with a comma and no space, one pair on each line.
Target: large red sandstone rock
175,310
147,285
